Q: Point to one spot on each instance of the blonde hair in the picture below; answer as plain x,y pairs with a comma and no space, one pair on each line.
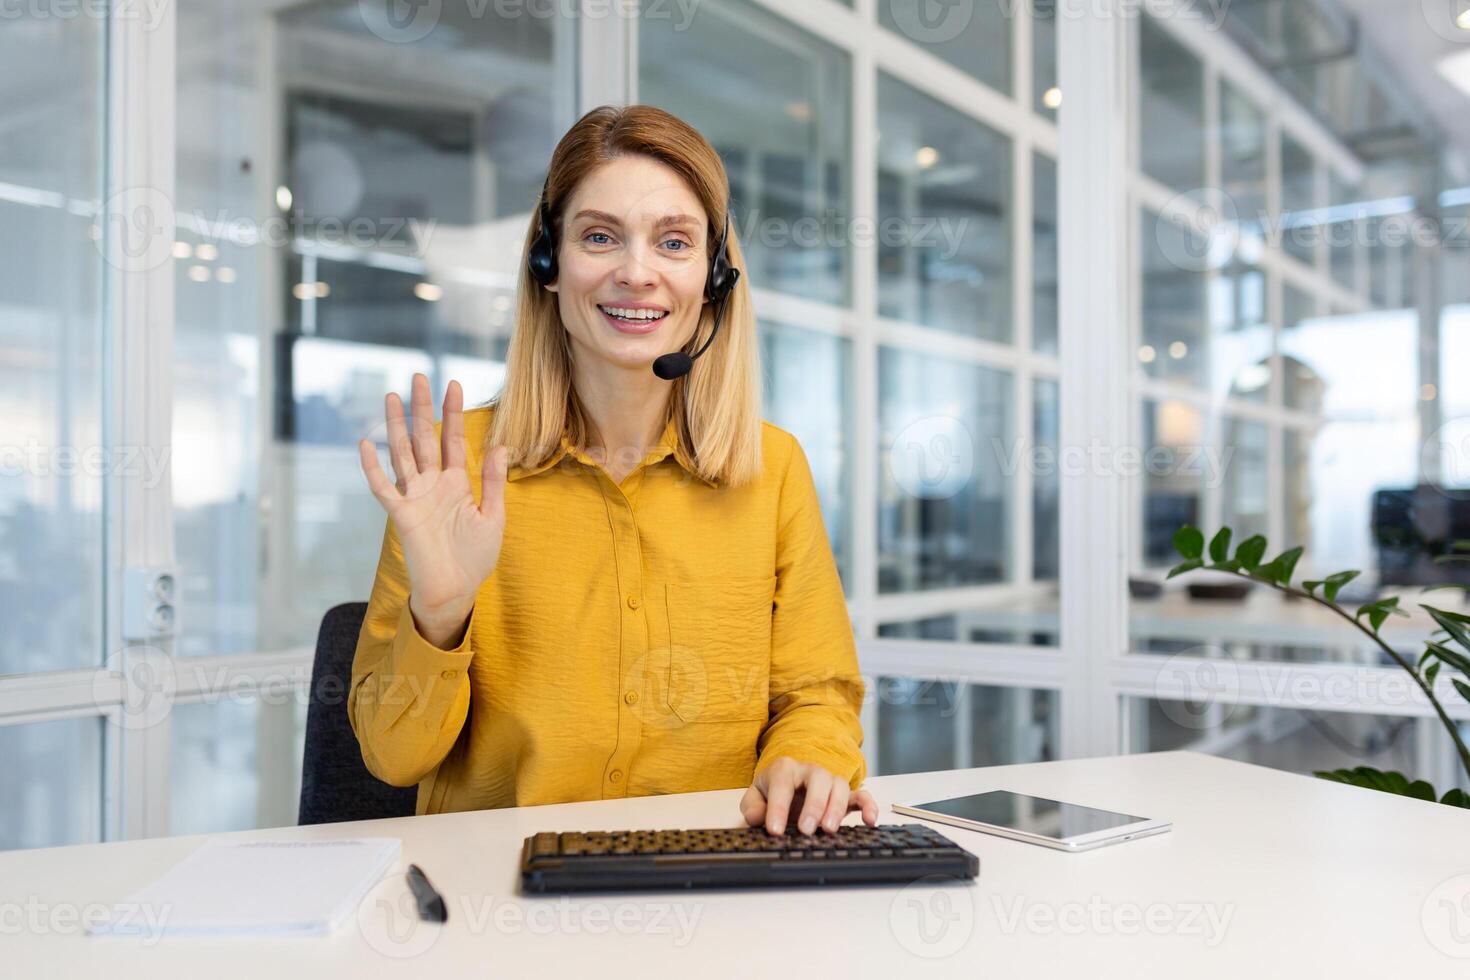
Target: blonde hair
716,406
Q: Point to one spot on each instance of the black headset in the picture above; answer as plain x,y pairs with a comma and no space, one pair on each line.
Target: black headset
718,285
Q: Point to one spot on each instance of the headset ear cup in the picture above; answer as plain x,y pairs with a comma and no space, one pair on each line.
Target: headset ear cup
542,257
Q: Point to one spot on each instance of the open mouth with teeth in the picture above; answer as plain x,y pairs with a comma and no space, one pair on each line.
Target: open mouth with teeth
638,317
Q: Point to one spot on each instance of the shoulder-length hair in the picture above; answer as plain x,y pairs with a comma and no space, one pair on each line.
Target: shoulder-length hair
716,406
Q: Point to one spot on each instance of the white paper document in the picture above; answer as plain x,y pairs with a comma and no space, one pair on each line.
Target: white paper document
256,888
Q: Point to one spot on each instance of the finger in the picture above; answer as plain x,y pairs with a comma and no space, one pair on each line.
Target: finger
425,439
378,481
400,451
453,428
492,482
818,789
753,807
781,786
863,800
836,806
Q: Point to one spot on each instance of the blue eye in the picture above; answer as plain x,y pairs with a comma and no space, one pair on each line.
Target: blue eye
598,234
677,241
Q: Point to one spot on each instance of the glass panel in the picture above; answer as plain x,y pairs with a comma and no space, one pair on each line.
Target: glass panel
1295,739
1016,621
807,393
1173,301
1240,333
236,763
944,215
775,102
1046,480
1344,235
944,493
53,783
51,278
974,36
1044,255
1044,59
1245,500
1171,110
924,725
383,239
1297,486
1175,472
1302,386
1243,159
1299,222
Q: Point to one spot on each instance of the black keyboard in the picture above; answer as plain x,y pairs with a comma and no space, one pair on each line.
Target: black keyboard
622,859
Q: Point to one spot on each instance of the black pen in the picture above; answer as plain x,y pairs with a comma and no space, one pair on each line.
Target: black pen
431,903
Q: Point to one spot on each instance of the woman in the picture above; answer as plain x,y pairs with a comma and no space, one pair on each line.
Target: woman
604,583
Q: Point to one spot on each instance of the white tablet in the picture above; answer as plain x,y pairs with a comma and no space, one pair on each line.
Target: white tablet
1036,820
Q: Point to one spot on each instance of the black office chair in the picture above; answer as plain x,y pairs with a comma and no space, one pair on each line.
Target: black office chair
335,785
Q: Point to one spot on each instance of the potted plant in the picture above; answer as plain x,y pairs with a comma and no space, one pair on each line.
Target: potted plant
1446,649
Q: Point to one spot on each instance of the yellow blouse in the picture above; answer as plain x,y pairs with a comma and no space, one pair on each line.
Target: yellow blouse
658,635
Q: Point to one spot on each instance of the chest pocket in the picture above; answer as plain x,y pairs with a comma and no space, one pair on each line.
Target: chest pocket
718,657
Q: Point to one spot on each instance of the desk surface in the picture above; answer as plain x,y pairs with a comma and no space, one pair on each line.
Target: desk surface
1266,874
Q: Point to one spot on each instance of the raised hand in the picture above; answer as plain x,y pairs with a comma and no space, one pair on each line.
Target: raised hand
450,545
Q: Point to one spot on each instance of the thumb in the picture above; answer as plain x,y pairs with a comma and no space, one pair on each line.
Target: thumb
753,807
492,482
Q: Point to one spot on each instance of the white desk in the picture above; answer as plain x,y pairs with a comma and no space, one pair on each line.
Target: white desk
1302,878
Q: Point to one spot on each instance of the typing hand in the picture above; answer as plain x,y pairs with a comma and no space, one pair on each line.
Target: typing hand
824,799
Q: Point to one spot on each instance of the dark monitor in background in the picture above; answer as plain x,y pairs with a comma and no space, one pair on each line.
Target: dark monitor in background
1411,528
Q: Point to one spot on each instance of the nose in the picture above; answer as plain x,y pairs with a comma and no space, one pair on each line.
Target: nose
633,272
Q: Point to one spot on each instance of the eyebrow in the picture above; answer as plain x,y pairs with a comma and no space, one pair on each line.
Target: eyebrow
667,221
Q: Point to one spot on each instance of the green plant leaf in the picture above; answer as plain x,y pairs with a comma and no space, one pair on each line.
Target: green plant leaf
1452,623
1228,565
1456,797
1462,687
1379,611
1311,585
1283,565
1186,566
1431,673
1334,583
1189,541
1220,545
1250,551
1454,658
1369,778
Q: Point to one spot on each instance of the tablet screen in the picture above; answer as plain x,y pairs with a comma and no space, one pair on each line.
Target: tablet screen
1032,814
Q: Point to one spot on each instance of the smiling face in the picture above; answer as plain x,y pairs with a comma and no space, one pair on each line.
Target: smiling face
631,263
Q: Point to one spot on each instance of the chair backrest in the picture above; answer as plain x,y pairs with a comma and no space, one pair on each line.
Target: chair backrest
335,785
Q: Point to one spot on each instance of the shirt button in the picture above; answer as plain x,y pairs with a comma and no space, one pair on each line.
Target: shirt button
631,697
449,675
632,602
616,776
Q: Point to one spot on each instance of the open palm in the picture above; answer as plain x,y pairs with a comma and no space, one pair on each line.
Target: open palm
450,544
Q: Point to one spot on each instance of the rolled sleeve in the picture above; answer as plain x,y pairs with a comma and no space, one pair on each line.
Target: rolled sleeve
816,690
